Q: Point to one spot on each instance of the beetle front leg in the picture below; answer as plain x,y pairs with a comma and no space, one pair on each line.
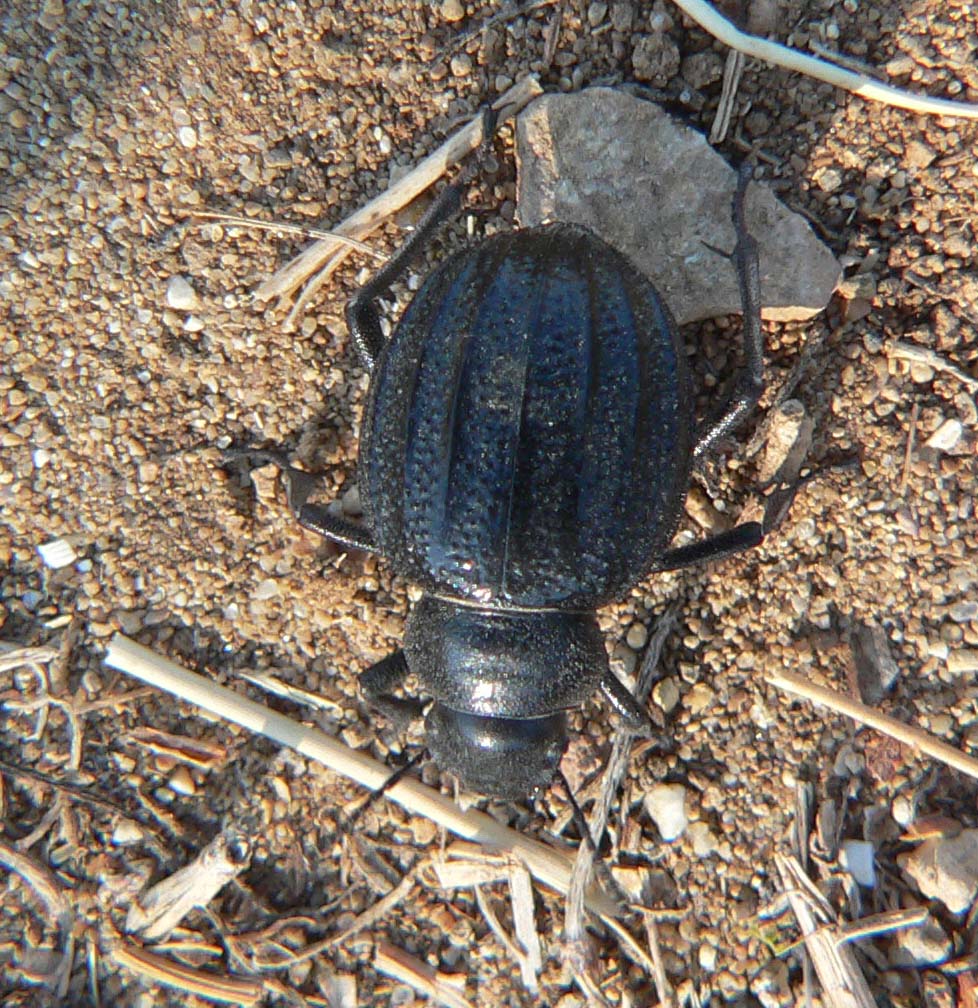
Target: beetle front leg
362,317
337,528
736,540
378,684
750,382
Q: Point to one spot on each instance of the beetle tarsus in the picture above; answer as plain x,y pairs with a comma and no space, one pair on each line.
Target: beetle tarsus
735,540
336,528
634,719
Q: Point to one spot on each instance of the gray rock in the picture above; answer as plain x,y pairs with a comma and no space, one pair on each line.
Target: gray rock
657,191
876,669
946,868
926,945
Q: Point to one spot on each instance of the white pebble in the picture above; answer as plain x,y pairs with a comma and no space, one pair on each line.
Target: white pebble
946,437
187,136
57,553
126,832
266,589
666,804
181,781
180,295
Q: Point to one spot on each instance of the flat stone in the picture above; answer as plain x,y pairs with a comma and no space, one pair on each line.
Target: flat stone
946,868
654,189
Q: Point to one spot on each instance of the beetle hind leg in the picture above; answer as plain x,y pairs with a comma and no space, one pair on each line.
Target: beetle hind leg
736,540
750,382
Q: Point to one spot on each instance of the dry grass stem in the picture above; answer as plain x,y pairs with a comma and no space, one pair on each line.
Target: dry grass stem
515,953
790,59
156,969
916,738
521,895
48,890
664,989
908,451
453,871
733,69
843,984
883,923
41,880
326,254
281,227
550,866
160,909
195,752
298,695
441,987
922,355
361,922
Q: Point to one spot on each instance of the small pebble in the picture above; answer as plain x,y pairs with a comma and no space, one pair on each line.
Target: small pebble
637,636
265,590
180,295
181,781
902,811
964,611
962,661
187,136
461,65
708,958
946,437
452,10
596,13
666,805
828,179
699,698
665,694
127,832
704,841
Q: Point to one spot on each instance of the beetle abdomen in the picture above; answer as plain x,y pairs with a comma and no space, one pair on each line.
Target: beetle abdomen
529,426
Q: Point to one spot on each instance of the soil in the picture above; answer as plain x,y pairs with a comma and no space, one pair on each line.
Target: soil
127,424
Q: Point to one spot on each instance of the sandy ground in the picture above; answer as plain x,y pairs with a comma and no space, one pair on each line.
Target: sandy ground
121,416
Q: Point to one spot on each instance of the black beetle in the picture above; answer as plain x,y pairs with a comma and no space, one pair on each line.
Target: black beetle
525,455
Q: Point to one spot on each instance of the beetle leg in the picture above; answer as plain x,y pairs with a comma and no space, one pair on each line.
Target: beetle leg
750,382
634,719
337,528
378,683
736,540
362,318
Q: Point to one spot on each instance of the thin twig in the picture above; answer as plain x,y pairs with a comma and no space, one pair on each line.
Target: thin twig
916,738
843,983
324,256
921,355
550,866
156,969
773,52
397,963
293,229
908,451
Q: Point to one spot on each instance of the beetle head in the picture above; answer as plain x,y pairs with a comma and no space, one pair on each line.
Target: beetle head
511,758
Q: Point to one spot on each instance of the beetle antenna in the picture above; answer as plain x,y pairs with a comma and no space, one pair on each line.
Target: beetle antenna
597,862
347,822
